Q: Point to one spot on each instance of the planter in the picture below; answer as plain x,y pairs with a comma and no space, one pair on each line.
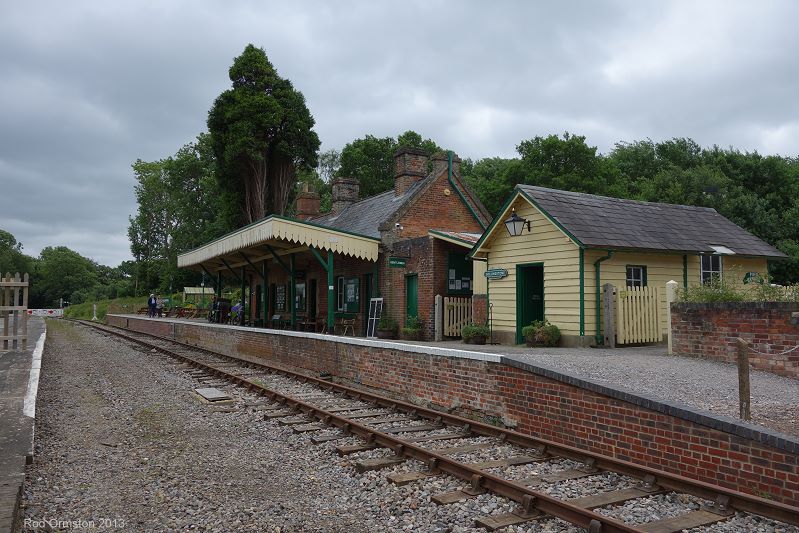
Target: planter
386,334
411,334
477,339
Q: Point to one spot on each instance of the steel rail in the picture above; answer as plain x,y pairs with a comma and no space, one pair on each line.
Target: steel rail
733,499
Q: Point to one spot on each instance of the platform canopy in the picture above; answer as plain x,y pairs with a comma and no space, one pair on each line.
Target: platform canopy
272,238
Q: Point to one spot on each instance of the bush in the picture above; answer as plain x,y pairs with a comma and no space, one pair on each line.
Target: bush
541,333
721,290
387,324
412,322
470,331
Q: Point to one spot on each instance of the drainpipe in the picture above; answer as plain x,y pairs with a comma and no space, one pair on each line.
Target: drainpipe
457,190
598,336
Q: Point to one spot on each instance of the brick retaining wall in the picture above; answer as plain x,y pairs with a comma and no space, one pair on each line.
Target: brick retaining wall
543,403
709,330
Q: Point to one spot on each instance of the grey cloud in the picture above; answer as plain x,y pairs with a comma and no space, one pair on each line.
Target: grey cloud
89,87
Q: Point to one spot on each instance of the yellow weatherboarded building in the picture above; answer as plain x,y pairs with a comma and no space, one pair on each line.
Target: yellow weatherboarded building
569,244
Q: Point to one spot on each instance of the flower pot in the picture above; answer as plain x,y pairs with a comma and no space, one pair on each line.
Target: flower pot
411,334
386,334
477,339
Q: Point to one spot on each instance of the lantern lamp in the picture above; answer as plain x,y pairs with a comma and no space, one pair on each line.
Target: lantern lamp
516,224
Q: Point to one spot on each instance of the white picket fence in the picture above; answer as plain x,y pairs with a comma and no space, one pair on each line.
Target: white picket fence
638,315
457,313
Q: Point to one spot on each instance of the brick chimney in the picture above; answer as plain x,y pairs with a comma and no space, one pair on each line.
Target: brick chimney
308,203
441,161
410,165
345,192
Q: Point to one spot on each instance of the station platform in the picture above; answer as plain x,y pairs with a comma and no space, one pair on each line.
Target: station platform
18,382
563,395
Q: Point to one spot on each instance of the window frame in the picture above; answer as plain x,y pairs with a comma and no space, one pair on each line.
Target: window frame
711,271
300,297
628,278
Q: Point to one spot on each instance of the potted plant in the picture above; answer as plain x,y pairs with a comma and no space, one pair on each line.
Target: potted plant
413,328
474,334
541,333
387,328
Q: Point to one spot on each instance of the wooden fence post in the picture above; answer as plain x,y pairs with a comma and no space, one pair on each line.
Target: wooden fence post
439,317
671,296
608,307
744,396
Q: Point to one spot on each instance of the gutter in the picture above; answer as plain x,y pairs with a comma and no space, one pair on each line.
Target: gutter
457,190
598,279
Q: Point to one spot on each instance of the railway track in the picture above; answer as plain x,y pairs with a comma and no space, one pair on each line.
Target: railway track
544,478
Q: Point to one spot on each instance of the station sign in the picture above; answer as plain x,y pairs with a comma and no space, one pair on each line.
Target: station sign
396,262
496,273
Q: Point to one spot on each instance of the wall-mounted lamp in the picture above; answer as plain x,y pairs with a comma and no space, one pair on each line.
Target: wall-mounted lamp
516,224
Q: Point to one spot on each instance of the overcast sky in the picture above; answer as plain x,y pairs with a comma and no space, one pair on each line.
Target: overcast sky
86,88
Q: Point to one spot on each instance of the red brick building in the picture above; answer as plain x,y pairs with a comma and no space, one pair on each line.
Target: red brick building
405,245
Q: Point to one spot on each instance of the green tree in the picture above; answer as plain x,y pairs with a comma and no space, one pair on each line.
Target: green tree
61,273
179,208
371,160
262,135
12,260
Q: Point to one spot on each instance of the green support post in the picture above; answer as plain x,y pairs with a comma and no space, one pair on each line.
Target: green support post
219,284
292,293
264,289
330,294
243,294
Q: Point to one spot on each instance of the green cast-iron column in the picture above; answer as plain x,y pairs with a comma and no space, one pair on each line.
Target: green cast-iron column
243,295
330,294
219,284
293,292
264,289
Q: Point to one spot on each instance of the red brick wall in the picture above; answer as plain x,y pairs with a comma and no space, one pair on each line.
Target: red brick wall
437,210
709,330
541,406
428,258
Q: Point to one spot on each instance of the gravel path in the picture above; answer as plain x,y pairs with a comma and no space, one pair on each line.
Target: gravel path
123,444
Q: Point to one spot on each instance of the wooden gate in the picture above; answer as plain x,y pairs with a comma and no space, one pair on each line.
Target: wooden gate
457,313
638,315
13,291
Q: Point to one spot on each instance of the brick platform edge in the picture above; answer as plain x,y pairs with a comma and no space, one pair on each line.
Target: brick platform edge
709,330
539,401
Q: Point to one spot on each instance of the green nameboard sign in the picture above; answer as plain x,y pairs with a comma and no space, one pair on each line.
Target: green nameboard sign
496,273
396,262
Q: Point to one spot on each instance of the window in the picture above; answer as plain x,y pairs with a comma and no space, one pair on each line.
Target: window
340,294
636,276
299,296
348,296
280,298
711,268
459,274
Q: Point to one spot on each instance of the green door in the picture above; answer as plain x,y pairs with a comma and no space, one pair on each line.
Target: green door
529,296
412,295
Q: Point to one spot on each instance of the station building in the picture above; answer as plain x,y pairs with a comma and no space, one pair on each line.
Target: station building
549,253
318,272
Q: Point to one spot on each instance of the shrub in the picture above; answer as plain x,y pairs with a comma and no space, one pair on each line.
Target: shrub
470,331
387,324
413,322
541,333
725,291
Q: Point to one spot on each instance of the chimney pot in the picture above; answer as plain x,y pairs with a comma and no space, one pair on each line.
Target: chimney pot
345,193
441,162
308,203
410,165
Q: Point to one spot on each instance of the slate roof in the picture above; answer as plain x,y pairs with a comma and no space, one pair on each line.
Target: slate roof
366,216
467,238
603,222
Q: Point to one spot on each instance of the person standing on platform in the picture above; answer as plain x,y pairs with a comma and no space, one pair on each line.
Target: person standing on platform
151,303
